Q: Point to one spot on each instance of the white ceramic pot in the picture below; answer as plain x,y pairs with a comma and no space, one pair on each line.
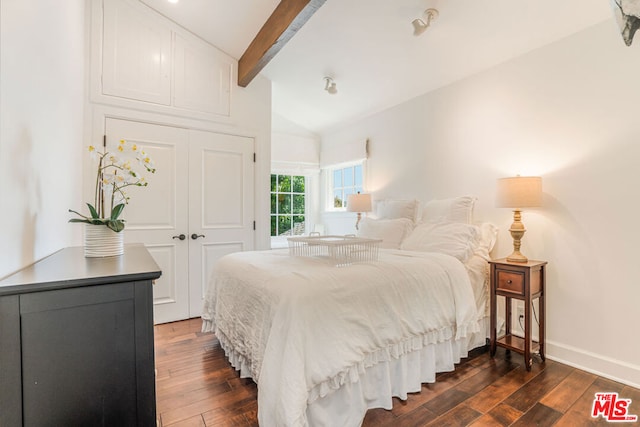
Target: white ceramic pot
101,241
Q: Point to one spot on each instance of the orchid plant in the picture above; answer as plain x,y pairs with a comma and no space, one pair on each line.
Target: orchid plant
115,173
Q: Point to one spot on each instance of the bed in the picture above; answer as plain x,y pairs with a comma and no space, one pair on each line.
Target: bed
325,344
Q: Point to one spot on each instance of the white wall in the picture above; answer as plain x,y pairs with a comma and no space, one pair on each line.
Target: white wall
567,112
41,127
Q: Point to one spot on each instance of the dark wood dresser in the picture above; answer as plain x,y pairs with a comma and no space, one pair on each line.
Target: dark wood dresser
76,341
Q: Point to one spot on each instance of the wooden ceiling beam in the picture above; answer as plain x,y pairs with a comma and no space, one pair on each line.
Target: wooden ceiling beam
287,18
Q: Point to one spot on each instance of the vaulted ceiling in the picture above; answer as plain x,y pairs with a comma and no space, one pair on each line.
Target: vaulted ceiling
368,46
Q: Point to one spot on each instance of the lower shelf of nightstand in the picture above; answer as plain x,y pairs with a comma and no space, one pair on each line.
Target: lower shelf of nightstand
515,343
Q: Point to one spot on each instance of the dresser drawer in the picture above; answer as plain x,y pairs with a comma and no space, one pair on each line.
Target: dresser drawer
509,281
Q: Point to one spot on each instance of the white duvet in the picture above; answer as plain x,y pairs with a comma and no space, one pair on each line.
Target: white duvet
301,327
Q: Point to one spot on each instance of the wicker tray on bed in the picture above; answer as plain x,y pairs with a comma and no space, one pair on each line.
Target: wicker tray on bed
340,250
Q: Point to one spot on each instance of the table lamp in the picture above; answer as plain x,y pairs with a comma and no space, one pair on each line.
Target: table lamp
518,192
359,203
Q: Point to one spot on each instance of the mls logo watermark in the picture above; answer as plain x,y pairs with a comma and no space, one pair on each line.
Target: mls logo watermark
612,408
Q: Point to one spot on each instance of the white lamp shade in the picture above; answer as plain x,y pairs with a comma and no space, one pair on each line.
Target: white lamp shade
359,202
519,192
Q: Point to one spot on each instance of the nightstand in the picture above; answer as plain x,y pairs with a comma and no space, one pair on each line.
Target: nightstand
524,282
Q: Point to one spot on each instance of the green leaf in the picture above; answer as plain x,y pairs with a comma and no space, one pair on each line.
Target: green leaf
116,211
80,215
94,213
115,225
80,220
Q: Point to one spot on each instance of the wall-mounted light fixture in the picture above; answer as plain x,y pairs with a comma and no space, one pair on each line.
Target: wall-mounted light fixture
330,85
420,25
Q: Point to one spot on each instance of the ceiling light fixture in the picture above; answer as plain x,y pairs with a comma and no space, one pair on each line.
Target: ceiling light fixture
173,1
330,86
419,25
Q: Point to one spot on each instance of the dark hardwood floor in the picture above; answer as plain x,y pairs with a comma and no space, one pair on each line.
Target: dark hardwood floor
196,386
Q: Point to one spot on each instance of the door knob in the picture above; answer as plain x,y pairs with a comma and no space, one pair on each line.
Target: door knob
194,236
181,237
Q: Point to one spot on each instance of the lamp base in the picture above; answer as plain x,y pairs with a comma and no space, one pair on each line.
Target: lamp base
517,256
517,230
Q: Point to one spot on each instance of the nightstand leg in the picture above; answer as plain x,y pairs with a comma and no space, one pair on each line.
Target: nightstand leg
542,308
507,320
527,331
492,331
492,316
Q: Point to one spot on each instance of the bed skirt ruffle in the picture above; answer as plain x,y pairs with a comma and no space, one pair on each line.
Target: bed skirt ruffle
396,377
374,385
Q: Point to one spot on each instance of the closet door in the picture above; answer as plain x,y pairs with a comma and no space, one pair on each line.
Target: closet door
159,212
221,204
203,189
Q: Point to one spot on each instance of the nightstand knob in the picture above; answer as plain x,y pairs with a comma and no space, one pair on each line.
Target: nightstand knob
509,281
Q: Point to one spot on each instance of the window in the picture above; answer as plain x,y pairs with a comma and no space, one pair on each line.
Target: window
344,181
287,205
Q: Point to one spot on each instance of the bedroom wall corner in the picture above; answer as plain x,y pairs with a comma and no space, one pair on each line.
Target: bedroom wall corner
42,77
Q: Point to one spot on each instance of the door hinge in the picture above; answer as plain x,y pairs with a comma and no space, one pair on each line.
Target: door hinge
254,157
104,141
254,225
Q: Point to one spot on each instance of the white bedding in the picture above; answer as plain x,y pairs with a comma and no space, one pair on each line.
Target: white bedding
306,331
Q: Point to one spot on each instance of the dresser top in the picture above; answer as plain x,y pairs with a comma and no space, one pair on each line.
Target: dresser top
69,268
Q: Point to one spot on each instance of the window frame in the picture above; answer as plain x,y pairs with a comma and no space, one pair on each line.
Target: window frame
292,214
330,187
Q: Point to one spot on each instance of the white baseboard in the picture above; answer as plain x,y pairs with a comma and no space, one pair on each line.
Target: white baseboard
616,370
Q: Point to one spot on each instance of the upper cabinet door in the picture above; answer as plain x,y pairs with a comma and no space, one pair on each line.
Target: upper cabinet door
136,54
202,77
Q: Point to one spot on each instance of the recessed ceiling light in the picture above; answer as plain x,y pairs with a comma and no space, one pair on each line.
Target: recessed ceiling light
173,1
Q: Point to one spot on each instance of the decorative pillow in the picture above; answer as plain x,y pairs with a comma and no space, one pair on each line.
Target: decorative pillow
392,209
391,231
452,238
457,209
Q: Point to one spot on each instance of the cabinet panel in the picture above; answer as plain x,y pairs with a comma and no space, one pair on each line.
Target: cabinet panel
10,362
86,348
136,54
202,77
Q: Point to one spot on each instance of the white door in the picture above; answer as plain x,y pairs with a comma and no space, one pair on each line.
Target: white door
221,203
188,195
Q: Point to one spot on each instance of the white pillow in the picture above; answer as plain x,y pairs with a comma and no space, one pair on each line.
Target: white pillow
391,231
452,238
391,209
486,240
457,209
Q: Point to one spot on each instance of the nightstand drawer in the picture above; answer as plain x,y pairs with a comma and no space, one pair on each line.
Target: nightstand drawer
509,281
